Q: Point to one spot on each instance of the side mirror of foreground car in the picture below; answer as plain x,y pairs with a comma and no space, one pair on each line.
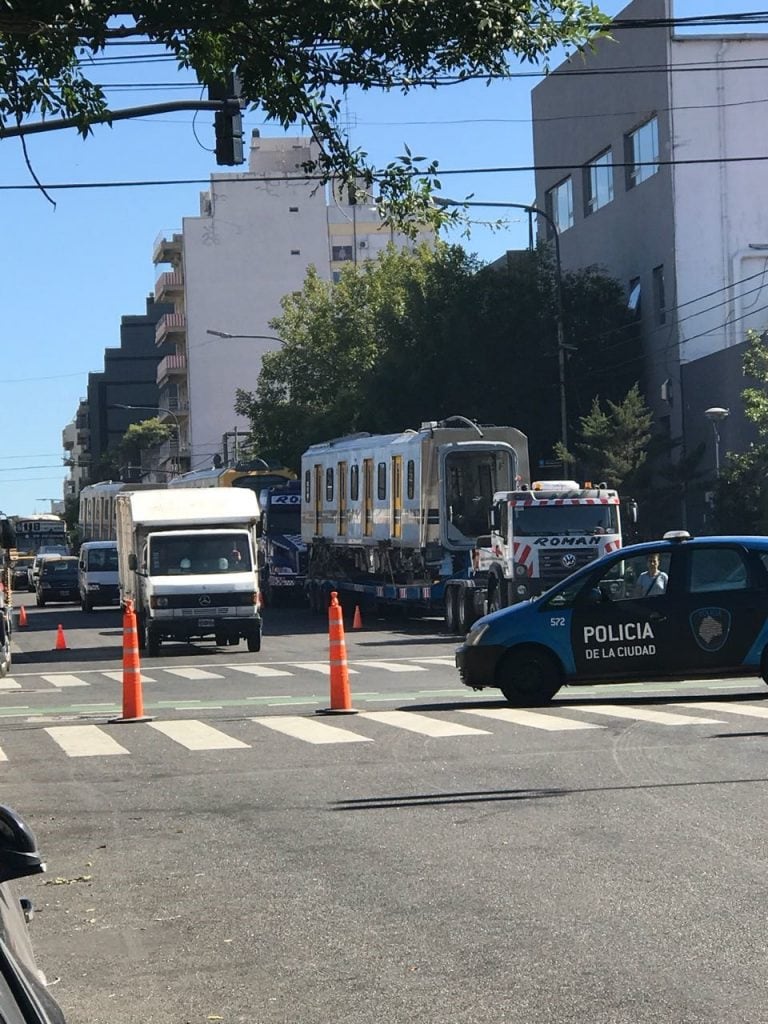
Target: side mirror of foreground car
19,855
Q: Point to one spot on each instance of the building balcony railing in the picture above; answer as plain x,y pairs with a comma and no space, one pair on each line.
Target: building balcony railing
171,366
169,326
169,285
167,247
172,408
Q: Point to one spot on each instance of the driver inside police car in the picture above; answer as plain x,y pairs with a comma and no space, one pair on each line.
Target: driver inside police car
652,582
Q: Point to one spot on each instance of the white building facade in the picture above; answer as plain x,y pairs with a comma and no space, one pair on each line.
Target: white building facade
256,236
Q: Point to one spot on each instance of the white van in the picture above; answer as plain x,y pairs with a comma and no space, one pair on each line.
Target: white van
97,574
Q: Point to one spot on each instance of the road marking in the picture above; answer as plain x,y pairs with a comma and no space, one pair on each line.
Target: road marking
437,661
391,666
422,724
260,670
728,709
118,677
532,719
196,735
647,715
321,666
193,673
310,731
84,741
62,679
2,755
9,684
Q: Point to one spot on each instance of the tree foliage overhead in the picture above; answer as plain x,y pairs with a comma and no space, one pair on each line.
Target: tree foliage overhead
295,58
420,336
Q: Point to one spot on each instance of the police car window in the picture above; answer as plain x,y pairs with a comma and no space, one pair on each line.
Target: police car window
717,569
634,577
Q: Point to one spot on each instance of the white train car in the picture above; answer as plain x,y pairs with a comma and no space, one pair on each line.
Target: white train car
96,511
407,508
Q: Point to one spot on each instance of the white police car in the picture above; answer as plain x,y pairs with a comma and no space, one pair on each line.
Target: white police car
672,609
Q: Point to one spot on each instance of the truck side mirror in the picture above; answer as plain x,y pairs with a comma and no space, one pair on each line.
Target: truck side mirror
133,562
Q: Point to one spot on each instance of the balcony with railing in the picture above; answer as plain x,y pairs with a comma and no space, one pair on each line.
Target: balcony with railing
167,247
170,327
171,366
169,286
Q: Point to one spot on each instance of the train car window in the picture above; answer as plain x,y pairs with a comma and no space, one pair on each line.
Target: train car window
410,479
307,486
354,483
381,481
329,484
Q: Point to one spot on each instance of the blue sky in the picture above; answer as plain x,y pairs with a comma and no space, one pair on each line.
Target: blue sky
68,274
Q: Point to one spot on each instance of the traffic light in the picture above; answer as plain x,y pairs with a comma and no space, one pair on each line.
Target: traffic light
229,121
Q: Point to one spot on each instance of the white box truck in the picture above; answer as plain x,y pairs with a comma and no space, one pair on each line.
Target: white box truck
187,560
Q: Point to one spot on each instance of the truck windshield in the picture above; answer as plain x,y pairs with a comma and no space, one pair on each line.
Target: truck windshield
283,519
198,554
564,520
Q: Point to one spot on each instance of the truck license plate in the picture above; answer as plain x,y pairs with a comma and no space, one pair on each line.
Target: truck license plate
205,623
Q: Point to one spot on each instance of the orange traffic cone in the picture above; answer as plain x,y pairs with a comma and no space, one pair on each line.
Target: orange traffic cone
61,641
341,701
133,701
357,621
22,616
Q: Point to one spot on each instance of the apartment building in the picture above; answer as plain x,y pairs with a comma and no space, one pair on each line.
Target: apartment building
651,162
256,235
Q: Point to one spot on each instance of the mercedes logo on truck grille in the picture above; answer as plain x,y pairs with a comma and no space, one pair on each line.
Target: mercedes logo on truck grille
204,600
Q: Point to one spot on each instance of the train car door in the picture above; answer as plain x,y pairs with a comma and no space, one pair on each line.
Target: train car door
341,485
318,501
367,497
397,495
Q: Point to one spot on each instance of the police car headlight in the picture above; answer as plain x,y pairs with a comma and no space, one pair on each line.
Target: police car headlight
521,590
520,570
474,636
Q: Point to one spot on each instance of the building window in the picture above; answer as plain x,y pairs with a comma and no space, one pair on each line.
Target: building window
633,302
336,276
641,152
381,484
329,485
559,201
659,297
598,183
340,253
295,252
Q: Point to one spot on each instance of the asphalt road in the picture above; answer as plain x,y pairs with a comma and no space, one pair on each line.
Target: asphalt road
437,857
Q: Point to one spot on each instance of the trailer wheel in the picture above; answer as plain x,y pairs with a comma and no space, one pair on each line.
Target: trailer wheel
465,611
451,609
528,677
497,597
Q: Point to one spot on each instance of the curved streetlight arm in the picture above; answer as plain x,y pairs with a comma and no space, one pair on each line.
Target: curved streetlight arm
561,346
249,337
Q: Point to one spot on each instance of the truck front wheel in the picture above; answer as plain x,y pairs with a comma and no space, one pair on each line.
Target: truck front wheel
254,639
151,640
528,678
452,609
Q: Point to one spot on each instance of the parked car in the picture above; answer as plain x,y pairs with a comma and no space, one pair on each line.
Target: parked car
673,609
24,996
57,580
20,572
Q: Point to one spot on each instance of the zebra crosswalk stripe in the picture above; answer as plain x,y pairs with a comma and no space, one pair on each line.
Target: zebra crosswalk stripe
118,677
84,741
422,724
532,719
320,666
195,735
260,670
725,708
392,666
647,715
309,730
9,684
62,679
193,673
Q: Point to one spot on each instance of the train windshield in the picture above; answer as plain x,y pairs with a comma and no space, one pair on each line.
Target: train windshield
471,477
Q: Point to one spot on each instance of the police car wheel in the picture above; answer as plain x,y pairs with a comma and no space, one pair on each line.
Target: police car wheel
528,678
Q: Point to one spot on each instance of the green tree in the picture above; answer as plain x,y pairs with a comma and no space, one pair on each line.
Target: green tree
612,443
424,335
295,59
138,438
741,496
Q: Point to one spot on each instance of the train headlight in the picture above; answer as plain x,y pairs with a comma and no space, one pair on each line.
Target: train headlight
520,570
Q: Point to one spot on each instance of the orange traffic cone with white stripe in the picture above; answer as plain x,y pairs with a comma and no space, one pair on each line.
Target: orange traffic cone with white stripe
357,621
61,640
22,616
341,701
133,701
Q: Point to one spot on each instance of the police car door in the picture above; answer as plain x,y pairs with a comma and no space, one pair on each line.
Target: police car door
724,606
623,622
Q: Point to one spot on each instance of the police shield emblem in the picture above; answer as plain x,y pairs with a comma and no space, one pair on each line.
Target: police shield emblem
711,627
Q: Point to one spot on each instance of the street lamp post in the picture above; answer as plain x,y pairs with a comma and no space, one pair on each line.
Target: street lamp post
561,346
152,408
717,415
